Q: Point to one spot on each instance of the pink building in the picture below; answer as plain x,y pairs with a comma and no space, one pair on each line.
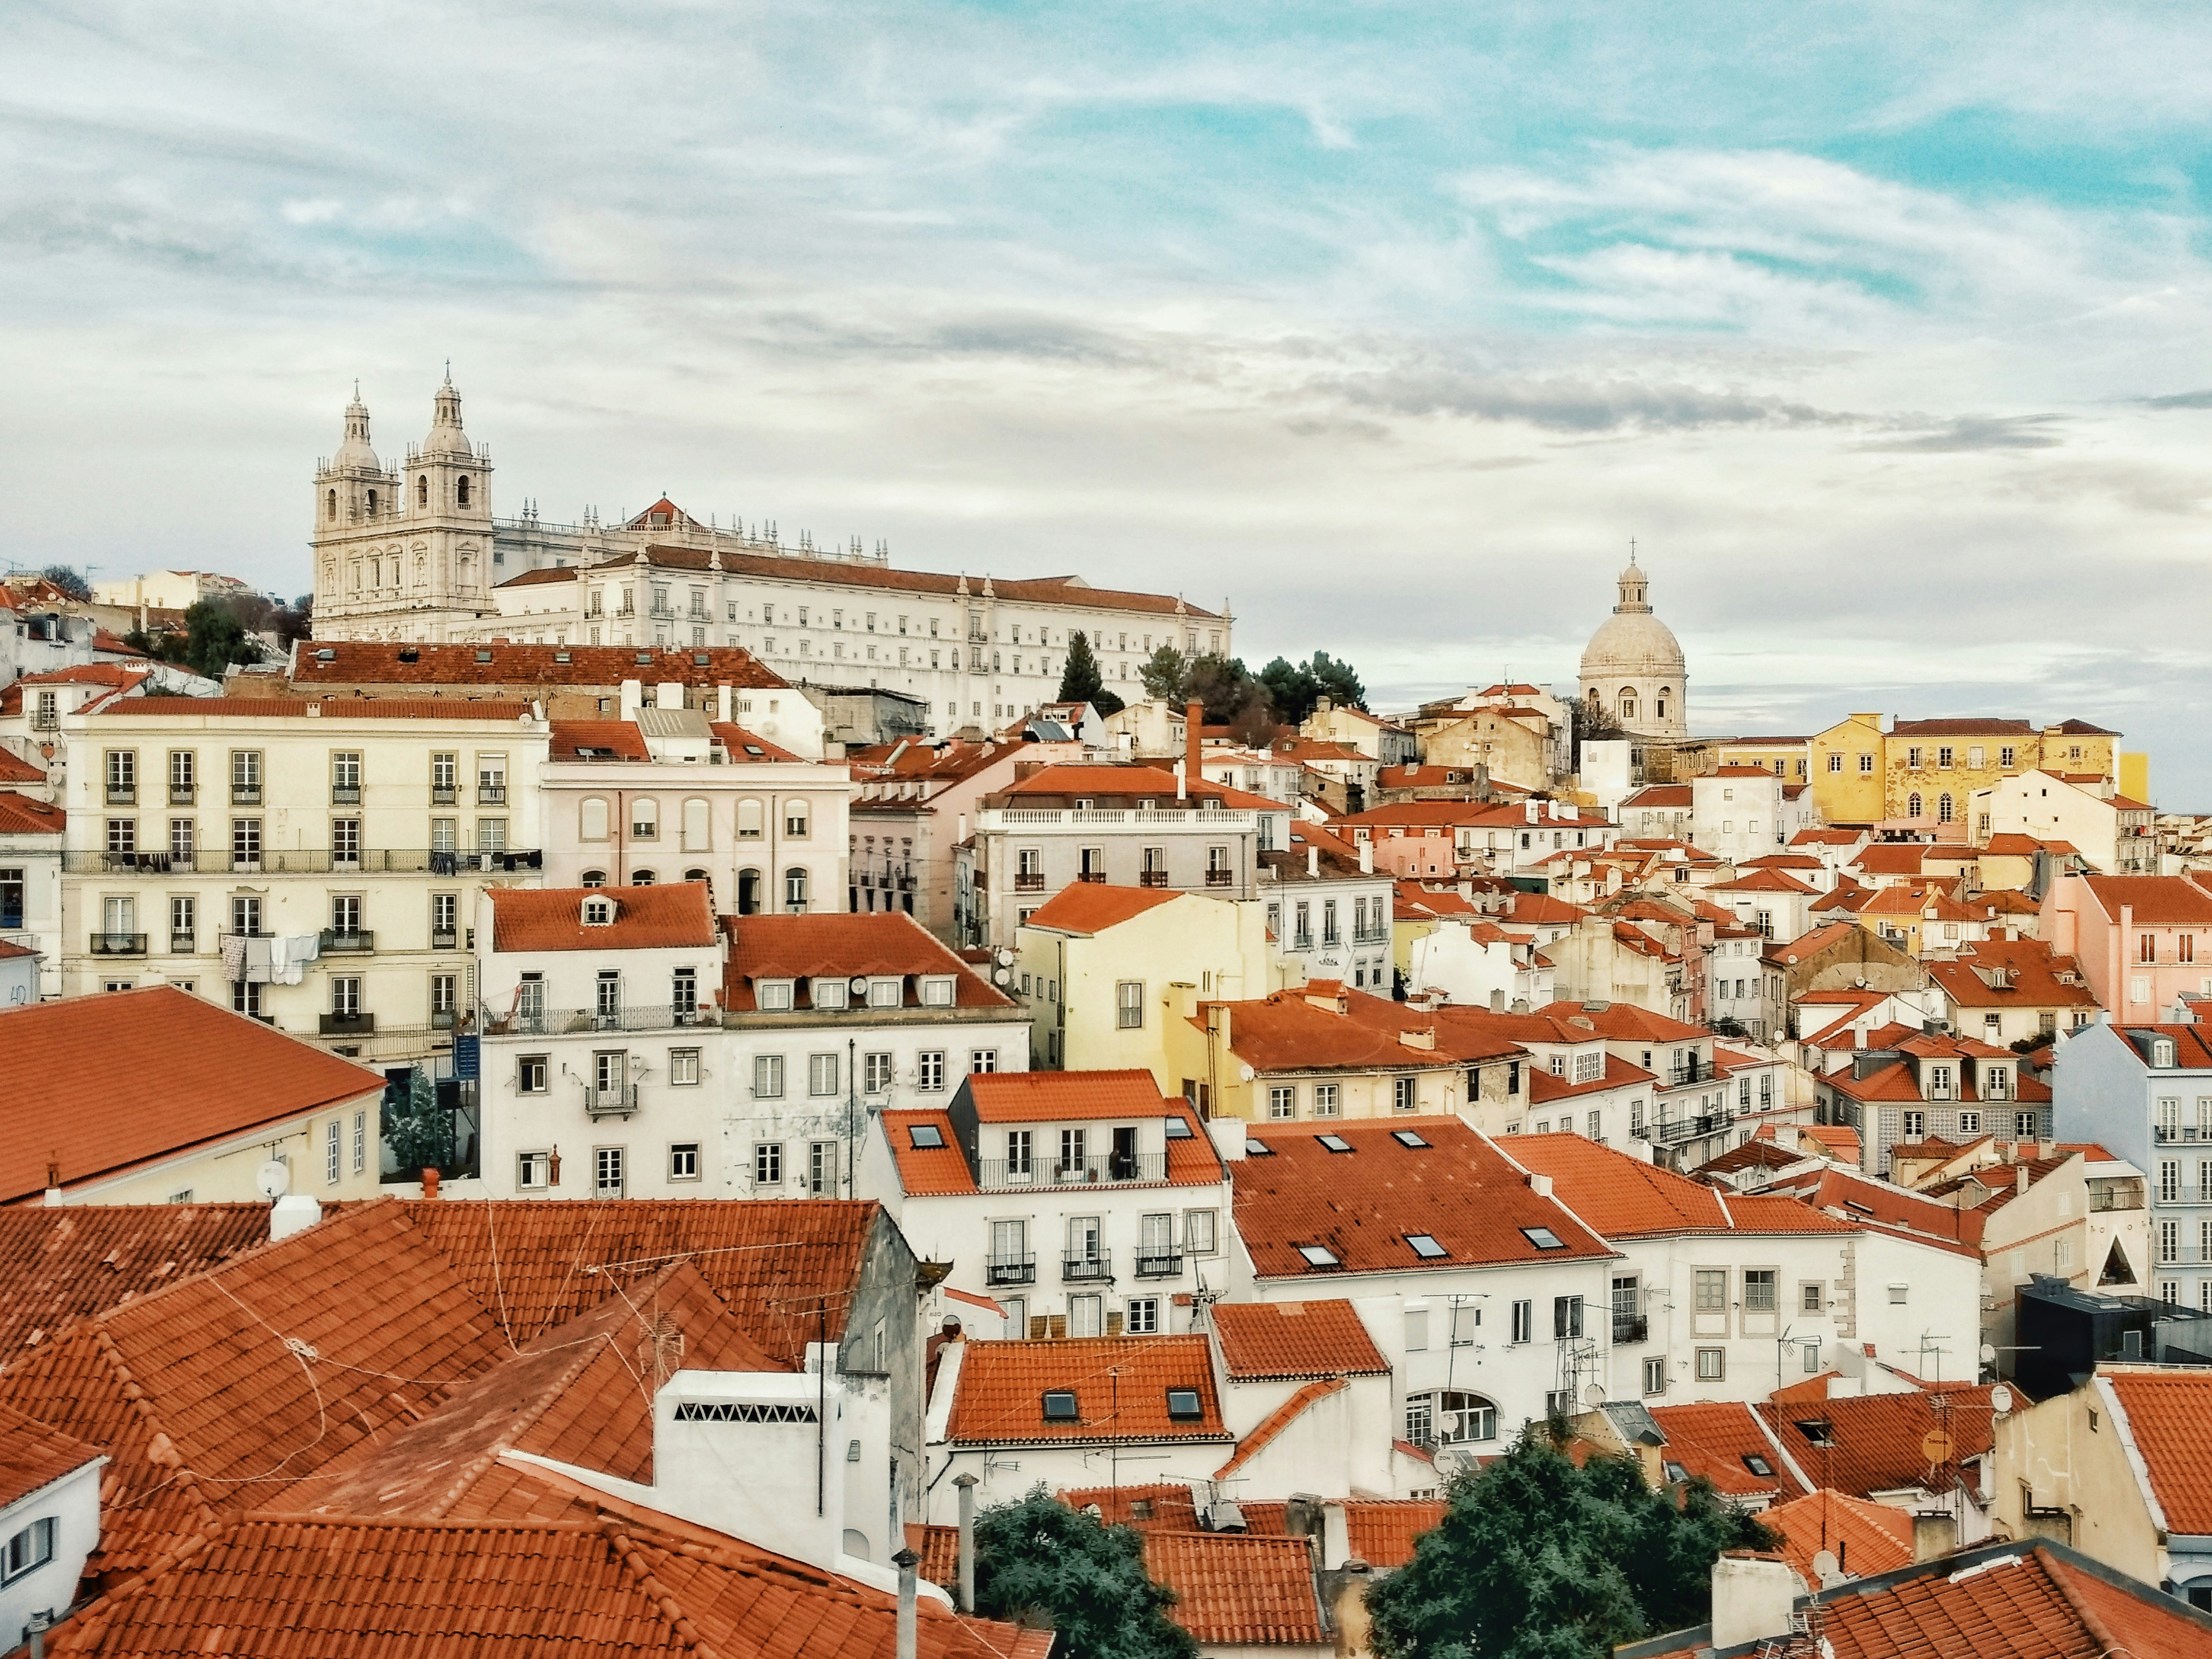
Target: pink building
2141,941
1429,838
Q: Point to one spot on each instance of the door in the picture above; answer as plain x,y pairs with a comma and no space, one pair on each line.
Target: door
1125,1153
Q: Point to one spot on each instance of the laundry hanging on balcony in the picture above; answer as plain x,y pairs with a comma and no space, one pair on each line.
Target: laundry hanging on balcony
289,955
233,957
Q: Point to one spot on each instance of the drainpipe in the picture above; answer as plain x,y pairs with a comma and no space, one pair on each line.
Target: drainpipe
966,1483
906,1561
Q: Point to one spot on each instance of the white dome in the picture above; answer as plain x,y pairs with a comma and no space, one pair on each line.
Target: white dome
447,438
355,451
1632,645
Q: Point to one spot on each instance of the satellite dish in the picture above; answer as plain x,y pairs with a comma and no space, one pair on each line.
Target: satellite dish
1004,975
273,1179
1989,1354
1826,1568
857,985
1006,957
1593,1396
2000,1400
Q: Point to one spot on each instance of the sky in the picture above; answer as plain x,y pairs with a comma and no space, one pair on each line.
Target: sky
1885,331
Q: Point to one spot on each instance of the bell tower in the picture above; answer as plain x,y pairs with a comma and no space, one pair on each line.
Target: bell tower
447,481
357,511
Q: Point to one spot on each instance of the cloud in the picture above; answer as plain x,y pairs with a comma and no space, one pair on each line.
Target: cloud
1576,406
2178,400
1968,434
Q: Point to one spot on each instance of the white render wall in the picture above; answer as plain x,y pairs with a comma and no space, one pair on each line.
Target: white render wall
73,1503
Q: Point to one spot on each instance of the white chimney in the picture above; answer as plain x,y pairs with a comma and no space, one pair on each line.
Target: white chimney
1366,857
722,704
1753,1596
294,1212
1539,1184
1313,859
631,699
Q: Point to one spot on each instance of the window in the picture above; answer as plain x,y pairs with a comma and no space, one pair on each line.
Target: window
767,1076
1711,1290
1060,1406
607,1172
821,1169
1084,1314
926,1138
1712,1365
1183,1406
1811,1298
360,1141
345,995
1282,1101
1129,1005
1835,762
1143,1318
1403,1095
1325,1099
876,1073
30,1548
1866,763
1761,1290
1450,1418
795,890
1524,1321
929,1071
1654,1374
1426,1247
821,1074
530,1074
1198,1230
795,820
768,1164
1566,1317
333,1150
1543,1238
1318,1256
644,820
982,1060
682,1068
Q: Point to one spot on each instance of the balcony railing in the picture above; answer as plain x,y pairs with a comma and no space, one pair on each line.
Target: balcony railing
182,794
182,945
444,1019
1220,878
443,794
1159,1264
1010,1270
2167,1134
1091,875
491,794
345,794
1151,877
122,794
1028,881
1667,1131
117,945
1087,1269
245,794
303,861
1695,1071
564,1022
346,1024
1630,1327
45,719
444,938
357,939
619,1098
1073,1172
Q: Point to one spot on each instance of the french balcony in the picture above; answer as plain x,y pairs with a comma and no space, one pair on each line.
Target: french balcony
182,945
1630,1328
345,794
122,794
1091,875
1696,1071
444,1019
45,719
330,1025
245,794
1097,1269
444,938
491,794
618,1099
1668,1131
303,861
349,939
1159,1264
182,794
1030,882
570,1022
117,945
1220,878
444,794
1152,878
1001,1270
1136,1167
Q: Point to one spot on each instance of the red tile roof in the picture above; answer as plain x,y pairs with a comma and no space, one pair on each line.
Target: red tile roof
1361,1205
20,815
1295,1339
1121,1385
1270,1427
1139,781
927,1171
1877,1437
1544,1088
1893,858
1971,726
363,662
334,709
1382,1532
674,916
1716,1440
1092,907
1053,1097
79,1260
13,768
748,748
1235,1591
34,1455
2032,971
596,740
1865,1538
2170,1416
1623,1022
2156,901
834,945
1166,1505
97,1085
1287,1030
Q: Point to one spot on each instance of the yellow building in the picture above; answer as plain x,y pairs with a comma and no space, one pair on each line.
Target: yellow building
1516,744
1927,771
1105,971
1789,758
1847,770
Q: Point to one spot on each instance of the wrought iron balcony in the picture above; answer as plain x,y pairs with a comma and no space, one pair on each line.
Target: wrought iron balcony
346,1024
345,794
1667,1131
1695,1071
1028,881
443,794
619,1099
1220,878
1152,878
358,939
444,938
117,945
182,945
245,794
1631,1328
302,861
491,794
1091,875
1011,1270
1159,1264
568,1021
182,794
1087,1269
1072,1172
122,794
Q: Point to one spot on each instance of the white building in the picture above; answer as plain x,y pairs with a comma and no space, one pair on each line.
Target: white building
49,1520
31,835
1737,813
2118,836
1082,1203
691,1057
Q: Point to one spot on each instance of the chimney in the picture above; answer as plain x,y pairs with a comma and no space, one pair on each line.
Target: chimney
631,699
1366,857
1539,1184
906,1561
1497,1001
294,1212
1935,1535
2019,1179
1753,1596
1313,860
966,1483
430,1182
669,694
1194,716
722,707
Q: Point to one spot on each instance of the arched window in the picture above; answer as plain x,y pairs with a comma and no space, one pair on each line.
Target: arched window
645,820
372,503
1660,706
330,506
795,890
749,892
1450,1416
461,490
423,490
749,820
694,826
697,875
1944,811
1913,804
595,877
642,878
592,818
1628,705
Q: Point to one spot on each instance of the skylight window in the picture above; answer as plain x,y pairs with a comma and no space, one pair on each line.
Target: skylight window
1758,1465
1183,1406
1334,1143
1257,1148
1819,1431
1060,1406
1407,1137
1543,1238
926,1137
1426,1247
1319,1255
1178,1128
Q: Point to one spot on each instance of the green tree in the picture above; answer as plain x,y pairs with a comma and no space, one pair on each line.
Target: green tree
1536,1559
1338,681
1080,680
419,1134
69,580
1293,687
1040,1563
215,639
1163,674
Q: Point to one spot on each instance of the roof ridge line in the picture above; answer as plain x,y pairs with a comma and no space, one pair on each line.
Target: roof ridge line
631,1556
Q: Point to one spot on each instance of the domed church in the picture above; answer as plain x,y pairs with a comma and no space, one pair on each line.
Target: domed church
1632,668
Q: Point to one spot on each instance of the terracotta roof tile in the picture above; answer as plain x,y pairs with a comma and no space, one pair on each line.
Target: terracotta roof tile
2156,901
1235,1591
1382,1532
596,740
748,748
1877,1437
77,1260
20,815
336,710
2170,1415
927,1171
1139,781
363,662
1865,1538
1120,1385
1090,907
1053,1097
675,916
1166,1505
13,768
838,945
1361,1205
34,1455
1294,1339
1715,1441
147,1073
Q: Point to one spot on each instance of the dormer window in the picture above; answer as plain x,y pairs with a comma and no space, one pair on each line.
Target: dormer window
773,995
884,992
936,991
2161,1052
828,993
598,912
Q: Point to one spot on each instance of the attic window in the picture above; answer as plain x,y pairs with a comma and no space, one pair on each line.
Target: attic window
1178,1128
1819,1431
1334,1143
598,912
1407,1137
1255,1147
926,1137
700,660
1676,1474
563,656
326,655
1319,1255
1060,1406
1758,1465
1543,1238
1183,1406
1426,1247
645,657
409,653
483,656
755,749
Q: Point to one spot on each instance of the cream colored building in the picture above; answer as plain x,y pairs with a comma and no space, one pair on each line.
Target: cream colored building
1633,670
315,864
2115,834
168,590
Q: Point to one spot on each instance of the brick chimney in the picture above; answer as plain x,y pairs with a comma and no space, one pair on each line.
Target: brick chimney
1194,715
